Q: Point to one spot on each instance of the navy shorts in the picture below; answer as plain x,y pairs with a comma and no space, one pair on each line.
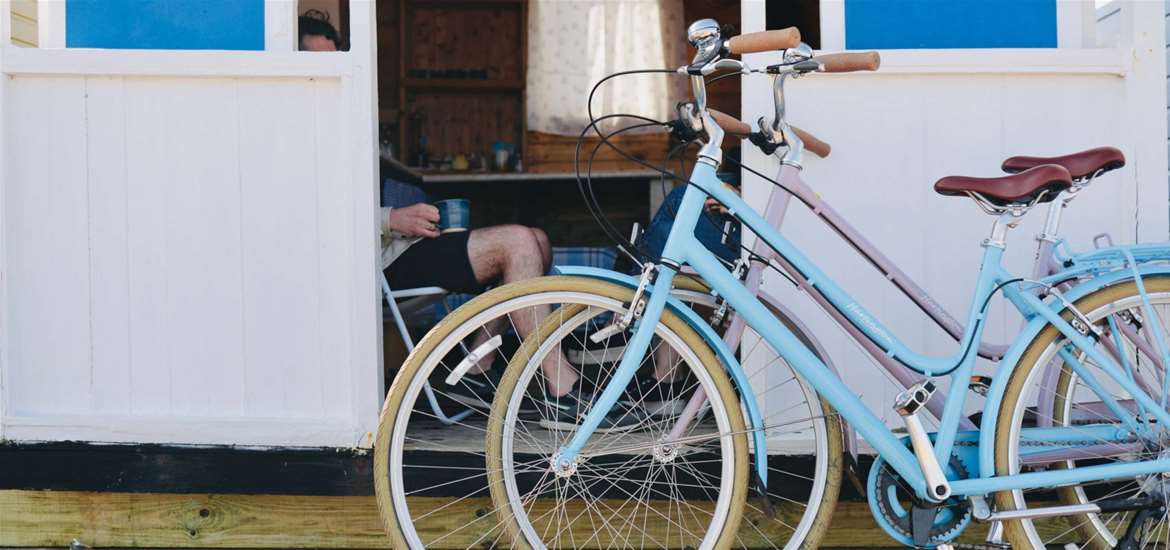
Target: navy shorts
441,261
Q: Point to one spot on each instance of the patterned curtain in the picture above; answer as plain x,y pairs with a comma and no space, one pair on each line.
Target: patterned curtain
572,44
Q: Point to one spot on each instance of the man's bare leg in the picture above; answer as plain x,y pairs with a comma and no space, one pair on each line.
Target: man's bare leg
495,326
514,253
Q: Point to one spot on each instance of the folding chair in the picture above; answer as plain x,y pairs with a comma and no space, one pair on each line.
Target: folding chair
414,301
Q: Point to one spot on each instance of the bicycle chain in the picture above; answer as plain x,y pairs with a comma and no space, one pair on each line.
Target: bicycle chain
1030,443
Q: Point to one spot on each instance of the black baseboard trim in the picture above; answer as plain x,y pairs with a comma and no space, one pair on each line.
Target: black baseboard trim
72,466
152,468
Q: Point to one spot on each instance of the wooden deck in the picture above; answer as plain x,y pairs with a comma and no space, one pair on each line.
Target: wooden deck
153,520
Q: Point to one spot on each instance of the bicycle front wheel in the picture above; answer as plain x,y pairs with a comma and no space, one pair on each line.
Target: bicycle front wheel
635,484
1056,385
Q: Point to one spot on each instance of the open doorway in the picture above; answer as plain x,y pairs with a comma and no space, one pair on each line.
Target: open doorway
456,97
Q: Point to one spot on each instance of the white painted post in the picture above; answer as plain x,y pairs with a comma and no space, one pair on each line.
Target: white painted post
5,23
1143,36
51,24
4,326
832,25
280,25
1075,21
368,382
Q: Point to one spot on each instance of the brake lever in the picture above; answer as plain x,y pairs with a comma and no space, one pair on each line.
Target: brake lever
761,140
801,67
682,131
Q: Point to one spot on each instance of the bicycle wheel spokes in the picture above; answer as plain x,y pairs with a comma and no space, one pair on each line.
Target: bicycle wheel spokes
627,488
634,484
431,474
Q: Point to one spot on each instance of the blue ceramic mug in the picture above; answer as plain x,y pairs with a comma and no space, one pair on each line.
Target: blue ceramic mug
454,215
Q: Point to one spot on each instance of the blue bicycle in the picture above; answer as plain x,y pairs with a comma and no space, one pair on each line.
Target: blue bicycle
670,439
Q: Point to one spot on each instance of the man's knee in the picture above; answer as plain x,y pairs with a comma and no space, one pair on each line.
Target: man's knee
505,242
522,240
544,245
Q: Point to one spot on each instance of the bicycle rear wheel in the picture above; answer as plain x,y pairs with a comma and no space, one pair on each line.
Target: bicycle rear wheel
1047,391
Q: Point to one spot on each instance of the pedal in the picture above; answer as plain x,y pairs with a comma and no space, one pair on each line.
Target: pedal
907,405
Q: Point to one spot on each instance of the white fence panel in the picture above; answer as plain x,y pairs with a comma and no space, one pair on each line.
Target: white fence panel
183,237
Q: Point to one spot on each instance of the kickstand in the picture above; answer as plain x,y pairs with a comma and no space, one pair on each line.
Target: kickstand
1130,540
853,470
762,490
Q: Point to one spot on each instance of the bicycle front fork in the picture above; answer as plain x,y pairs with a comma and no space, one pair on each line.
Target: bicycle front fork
644,325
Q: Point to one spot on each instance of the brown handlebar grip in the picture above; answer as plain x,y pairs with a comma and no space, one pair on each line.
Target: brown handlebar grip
764,41
730,124
812,144
849,62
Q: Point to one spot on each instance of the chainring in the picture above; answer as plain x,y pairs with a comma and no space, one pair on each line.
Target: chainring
890,496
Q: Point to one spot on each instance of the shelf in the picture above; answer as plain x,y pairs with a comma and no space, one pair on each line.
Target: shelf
486,177
471,3
459,84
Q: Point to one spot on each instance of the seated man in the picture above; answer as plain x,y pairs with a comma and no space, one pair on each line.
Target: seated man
415,254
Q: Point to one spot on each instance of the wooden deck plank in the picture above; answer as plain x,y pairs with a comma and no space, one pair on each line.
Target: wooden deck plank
154,520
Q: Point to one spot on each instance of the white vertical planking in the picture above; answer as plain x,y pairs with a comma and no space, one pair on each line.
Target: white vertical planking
190,258
185,276
46,220
1144,35
148,253
335,199
278,189
198,172
109,246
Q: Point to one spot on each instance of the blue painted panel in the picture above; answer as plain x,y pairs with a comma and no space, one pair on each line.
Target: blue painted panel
910,24
165,24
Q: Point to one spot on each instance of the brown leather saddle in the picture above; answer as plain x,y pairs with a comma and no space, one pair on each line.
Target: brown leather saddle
1079,165
1035,185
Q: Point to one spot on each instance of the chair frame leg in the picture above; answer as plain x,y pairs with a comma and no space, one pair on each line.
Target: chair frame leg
406,339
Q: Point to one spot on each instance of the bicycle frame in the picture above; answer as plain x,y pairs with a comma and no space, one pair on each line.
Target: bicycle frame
683,248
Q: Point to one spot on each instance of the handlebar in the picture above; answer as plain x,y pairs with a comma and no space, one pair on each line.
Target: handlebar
733,125
812,143
849,62
764,41
729,123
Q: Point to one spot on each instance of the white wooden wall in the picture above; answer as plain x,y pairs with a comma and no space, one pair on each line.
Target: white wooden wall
932,113
189,245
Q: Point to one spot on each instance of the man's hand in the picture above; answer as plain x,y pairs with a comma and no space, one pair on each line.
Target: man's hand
417,220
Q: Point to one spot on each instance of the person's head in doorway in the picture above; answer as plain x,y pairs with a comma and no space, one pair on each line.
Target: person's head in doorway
316,35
